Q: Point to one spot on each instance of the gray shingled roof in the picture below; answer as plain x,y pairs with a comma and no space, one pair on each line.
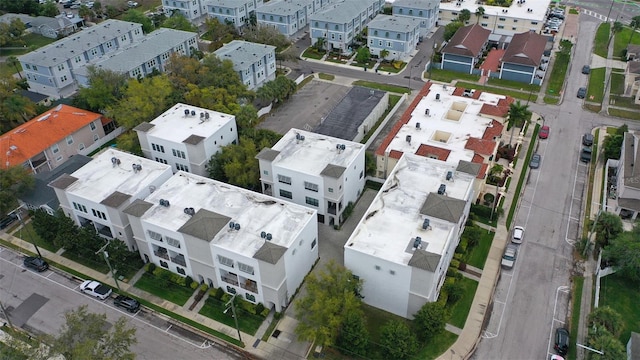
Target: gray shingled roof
416,4
270,252
425,260
399,24
629,203
283,7
267,154
137,208
631,155
342,12
193,139
63,181
467,41
243,53
229,3
205,224
443,207
333,171
76,44
346,117
144,127
525,49
115,199
469,167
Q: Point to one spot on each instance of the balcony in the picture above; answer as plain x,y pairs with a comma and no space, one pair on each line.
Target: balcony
179,259
161,253
230,280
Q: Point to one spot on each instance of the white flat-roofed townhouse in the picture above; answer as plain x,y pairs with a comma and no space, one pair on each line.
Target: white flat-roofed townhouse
96,194
340,22
521,16
236,12
145,56
186,137
424,10
50,69
318,171
288,16
247,243
190,9
255,63
403,245
398,35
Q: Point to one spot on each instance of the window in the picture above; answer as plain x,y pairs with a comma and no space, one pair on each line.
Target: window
375,32
265,172
534,23
501,19
92,126
284,179
500,26
515,20
293,252
180,270
69,140
330,190
55,148
154,235
59,158
245,268
164,264
311,186
386,34
60,67
286,194
392,272
361,173
80,147
311,201
231,290
250,297
377,267
173,242
182,167
63,78
35,68
225,261
158,148
313,243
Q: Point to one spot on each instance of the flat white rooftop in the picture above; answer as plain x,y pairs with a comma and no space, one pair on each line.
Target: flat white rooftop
100,178
394,219
254,212
534,10
314,153
452,120
175,126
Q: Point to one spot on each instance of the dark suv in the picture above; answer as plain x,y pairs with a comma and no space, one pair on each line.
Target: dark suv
131,305
8,221
561,341
587,139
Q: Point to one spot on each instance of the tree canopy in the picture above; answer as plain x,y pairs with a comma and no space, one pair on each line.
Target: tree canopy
137,16
264,34
105,88
397,341
518,114
623,252
608,227
143,100
14,181
178,21
450,29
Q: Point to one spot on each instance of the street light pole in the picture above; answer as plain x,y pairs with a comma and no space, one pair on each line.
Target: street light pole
233,312
6,316
28,233
106,258
590,349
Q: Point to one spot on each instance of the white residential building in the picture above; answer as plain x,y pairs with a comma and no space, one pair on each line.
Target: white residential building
96,194
403,245
521,16
247,243
318,171
288,16
186,137
255,63
339,23
190,9
397,35
236,12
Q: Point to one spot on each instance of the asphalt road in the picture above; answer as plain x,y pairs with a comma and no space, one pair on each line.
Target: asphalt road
37,302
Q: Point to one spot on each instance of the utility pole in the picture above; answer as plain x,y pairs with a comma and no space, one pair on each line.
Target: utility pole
231,304
6,316
106,258
28,233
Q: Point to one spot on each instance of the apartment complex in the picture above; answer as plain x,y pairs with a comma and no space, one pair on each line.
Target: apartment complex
249,244
396,35
403,245
426,11
186,137
96,194
288,16
190,9
255,63
236,12
317,171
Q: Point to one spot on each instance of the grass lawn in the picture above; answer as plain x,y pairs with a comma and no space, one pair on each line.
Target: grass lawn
324,76
448,76
617,83
385,66
460,310
622,295
6,69
623,101
626,114
595,91
312,53
437,346
384,87
514,85
100,266
247,322
559,71
500,90
621,40
578,284
602,37
368,65
28,234
164,289
478,255
552,100
32,42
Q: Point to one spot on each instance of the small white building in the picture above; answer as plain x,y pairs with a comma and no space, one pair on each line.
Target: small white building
247,243
403,245
95,195
186,137
318,171
255,63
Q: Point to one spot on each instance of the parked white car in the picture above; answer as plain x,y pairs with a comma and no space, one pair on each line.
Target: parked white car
96,289
518,234
509,257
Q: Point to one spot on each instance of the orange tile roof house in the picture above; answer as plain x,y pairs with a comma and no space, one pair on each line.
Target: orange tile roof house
48,140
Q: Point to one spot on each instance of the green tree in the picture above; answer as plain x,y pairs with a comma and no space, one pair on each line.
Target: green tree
332,294
565,46
353,338
88,335
464,16
15,63
635,24
85,13
518,114
143,100
397,341
246,116
612,145
384,53
606,317
105,88
15,109
370,165
219,33
320,44
608,227
430,320
450,29
603,341
111,11
14,181
479,13
363,55
264,34
617,27
129,142
624,252
178,22
17,27
137,16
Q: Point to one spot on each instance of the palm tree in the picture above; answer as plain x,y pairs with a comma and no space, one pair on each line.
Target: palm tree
13,61
384,53
479,13
320,43
517,115
617,27
635,23
464,16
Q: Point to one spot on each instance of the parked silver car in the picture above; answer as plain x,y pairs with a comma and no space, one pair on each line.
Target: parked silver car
509,257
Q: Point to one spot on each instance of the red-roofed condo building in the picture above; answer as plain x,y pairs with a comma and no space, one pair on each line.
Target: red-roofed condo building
48,140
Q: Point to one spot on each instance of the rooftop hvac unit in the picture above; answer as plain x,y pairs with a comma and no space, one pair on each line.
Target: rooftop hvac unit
408,138
115,161
418,125
164,203
136,167
269,237
417,243
437,97
299,137
425,224
202,115
426,112
234,226
193,113
340,147
442,189
186,112
190,211
449,175
206,116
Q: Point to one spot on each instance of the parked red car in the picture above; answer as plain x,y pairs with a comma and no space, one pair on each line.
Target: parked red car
544,132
